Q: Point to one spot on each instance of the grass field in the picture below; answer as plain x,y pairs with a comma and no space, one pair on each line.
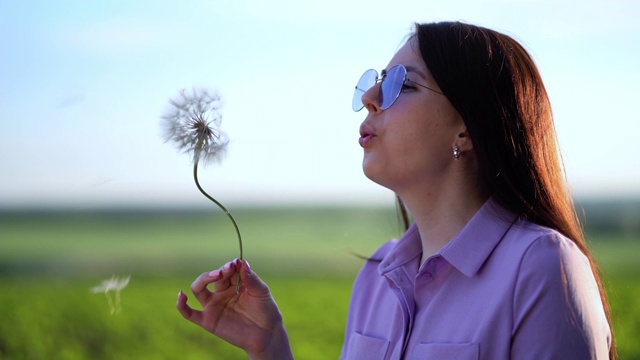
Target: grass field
50,261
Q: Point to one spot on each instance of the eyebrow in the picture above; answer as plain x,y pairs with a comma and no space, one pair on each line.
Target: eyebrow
415,70
409,69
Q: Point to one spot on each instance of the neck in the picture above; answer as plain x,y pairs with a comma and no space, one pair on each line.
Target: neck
441,213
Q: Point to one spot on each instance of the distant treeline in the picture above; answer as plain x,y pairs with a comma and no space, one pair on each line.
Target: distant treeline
620,216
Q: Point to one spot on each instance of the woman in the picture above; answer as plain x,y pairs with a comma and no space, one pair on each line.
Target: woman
494,265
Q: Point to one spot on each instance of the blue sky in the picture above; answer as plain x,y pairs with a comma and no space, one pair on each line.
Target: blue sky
83,84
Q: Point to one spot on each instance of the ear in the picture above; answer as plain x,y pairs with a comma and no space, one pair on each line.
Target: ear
463,141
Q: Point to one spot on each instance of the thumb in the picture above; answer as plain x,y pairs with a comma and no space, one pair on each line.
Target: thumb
252,282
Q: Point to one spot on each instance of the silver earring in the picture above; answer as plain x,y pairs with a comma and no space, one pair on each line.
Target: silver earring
456,152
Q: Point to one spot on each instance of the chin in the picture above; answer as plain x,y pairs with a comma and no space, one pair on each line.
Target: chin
374,174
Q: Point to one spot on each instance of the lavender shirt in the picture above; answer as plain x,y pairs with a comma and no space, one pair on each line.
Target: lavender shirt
503,288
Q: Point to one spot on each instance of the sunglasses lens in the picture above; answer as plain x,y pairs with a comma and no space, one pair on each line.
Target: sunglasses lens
391,86
367,80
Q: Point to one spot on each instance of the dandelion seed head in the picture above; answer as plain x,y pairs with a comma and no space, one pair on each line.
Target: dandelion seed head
192,123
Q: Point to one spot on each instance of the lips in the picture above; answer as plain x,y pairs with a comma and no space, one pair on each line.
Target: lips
366,135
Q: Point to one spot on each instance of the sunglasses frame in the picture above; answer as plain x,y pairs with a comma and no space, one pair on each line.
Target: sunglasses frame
357,103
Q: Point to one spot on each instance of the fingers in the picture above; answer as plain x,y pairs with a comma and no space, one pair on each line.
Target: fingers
221,279
226,276
252,288
199,285
186,311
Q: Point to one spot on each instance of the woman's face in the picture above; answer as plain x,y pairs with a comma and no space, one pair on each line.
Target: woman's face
410,143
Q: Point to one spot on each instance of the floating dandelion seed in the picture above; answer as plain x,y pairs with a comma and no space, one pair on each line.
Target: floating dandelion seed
116,285
193,124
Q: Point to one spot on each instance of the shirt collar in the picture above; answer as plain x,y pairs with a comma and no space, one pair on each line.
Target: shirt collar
475,242
405,250
467,251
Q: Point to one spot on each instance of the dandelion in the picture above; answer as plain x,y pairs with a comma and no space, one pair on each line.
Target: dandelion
116,285
193,124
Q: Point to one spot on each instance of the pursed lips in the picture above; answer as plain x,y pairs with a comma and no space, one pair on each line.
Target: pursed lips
366,135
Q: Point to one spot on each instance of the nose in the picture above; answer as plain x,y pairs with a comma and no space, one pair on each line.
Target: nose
370,99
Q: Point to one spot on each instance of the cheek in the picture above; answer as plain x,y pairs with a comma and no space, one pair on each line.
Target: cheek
424,148
418,138
400,154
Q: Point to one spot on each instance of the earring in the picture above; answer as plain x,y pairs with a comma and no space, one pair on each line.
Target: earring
456,152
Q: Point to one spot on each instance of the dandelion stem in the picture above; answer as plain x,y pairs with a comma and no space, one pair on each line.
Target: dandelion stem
110,303
235,225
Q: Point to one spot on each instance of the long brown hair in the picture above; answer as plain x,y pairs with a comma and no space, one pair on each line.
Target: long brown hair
495,86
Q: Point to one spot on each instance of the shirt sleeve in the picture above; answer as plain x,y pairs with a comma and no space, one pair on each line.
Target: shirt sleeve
558,312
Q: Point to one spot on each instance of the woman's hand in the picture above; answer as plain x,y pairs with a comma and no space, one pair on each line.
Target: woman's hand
249,319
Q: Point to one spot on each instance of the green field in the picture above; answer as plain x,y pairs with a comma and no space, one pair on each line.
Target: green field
49,262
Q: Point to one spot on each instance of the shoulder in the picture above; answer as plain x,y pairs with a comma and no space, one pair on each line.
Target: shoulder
553,272
547,265
535,244
545,248
556,300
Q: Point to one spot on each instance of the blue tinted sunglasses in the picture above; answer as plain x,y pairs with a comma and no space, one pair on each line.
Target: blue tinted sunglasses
391,84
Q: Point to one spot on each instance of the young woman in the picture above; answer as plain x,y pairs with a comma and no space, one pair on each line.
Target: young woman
494,264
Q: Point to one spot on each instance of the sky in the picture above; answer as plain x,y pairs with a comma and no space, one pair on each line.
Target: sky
83,85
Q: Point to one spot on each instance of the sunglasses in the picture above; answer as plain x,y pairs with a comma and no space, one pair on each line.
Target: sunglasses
391,84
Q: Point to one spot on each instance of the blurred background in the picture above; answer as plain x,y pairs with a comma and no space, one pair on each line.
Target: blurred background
89,190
